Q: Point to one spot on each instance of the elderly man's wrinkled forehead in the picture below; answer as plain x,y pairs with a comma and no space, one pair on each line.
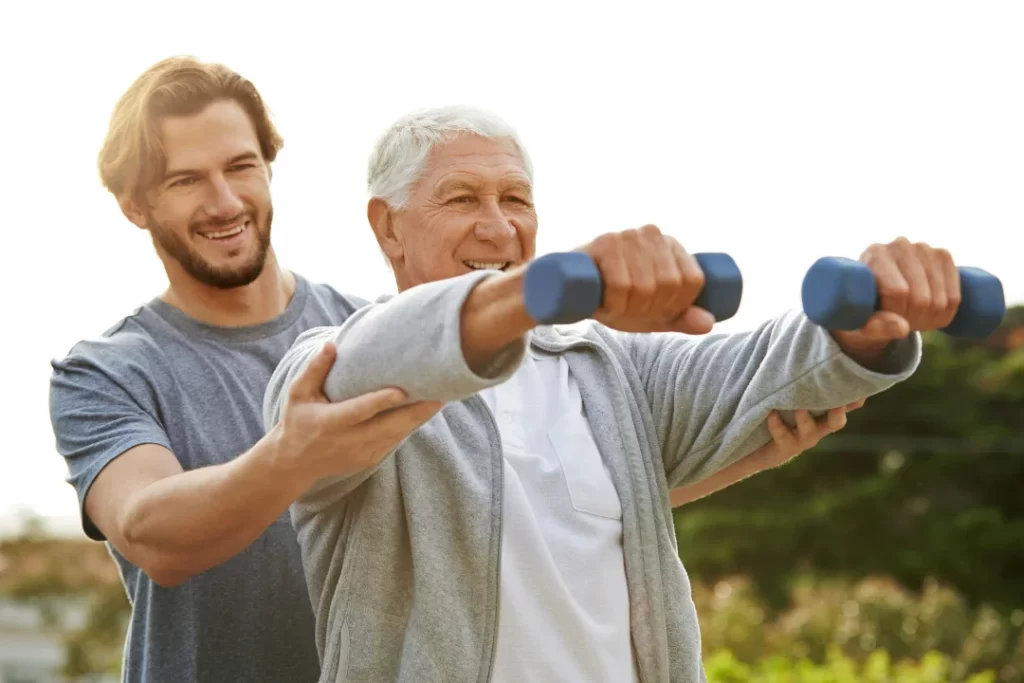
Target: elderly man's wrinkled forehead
473,160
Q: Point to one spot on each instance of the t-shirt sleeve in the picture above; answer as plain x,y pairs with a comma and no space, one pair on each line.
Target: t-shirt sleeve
98,411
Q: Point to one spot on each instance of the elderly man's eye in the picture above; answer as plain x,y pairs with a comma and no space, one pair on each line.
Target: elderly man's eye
461,199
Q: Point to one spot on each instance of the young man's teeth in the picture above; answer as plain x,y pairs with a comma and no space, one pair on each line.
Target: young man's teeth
481,265
225,233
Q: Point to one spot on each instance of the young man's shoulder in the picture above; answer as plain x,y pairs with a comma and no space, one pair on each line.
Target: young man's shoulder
145,338
127,342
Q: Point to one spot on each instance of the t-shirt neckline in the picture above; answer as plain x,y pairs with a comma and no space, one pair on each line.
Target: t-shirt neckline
246,333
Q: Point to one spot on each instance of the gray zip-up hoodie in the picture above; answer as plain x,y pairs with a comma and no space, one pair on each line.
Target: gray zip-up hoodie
402,561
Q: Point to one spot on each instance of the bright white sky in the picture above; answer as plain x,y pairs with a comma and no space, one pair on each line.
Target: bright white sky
775,131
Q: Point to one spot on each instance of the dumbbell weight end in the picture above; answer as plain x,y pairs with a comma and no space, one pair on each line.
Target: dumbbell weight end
564,288
841,294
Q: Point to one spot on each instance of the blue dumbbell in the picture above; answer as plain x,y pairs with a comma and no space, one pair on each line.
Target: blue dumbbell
840,294
567,287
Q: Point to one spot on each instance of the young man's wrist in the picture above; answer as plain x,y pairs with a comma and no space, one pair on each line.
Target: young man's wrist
272,464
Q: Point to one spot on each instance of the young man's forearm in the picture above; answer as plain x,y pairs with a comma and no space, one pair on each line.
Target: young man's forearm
184,524
736,472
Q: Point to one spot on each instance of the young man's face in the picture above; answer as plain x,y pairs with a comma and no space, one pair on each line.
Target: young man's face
210,214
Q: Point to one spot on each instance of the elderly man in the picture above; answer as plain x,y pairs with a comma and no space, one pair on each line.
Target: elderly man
524,532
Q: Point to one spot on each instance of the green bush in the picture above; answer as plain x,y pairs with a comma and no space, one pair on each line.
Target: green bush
831,623
724,667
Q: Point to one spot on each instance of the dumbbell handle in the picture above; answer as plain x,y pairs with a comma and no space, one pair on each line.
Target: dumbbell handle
841,294
567,287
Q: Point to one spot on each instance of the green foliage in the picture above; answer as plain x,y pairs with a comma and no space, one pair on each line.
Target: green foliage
857,624
923,482
723,667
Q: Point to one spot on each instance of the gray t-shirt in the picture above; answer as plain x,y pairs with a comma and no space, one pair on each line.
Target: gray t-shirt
161,377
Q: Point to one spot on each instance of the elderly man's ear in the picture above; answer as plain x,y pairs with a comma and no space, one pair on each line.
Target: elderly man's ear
382,221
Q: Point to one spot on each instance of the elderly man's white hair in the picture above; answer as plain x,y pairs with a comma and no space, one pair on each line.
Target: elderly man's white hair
400,156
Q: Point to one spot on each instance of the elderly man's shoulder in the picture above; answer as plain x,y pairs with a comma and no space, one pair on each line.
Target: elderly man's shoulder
620,344
582,332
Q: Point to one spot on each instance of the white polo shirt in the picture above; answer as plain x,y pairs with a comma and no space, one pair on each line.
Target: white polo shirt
564,605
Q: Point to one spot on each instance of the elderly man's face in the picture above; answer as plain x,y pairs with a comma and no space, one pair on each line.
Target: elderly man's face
472,209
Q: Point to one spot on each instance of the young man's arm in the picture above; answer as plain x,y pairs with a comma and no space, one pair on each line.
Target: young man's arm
174,524
785,445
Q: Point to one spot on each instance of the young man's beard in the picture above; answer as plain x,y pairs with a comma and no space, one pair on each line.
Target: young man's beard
211,276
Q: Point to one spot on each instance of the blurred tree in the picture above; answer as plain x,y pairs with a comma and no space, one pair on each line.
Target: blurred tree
925,481
51,572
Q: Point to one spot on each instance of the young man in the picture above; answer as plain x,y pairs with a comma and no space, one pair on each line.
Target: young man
159,419
524,533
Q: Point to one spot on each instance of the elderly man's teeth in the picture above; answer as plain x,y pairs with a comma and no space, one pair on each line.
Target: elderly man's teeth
483,265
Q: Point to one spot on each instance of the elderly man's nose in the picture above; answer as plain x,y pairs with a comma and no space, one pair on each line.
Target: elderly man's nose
498,232
493,226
